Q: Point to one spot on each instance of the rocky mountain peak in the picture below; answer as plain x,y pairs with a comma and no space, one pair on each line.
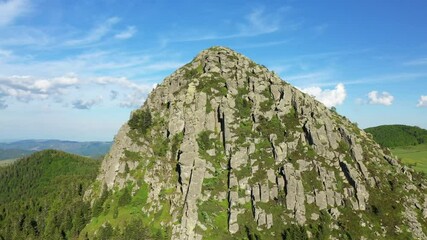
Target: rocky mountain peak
223,148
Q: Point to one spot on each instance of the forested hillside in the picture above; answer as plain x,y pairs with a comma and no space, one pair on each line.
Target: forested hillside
398,135
41,196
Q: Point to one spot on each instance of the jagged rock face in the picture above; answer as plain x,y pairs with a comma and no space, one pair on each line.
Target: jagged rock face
229,150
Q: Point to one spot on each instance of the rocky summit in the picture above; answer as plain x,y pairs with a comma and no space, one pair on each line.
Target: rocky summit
225,149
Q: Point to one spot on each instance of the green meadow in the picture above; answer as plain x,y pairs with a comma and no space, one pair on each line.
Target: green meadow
415,156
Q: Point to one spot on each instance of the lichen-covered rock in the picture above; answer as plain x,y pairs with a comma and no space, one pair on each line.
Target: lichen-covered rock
225,149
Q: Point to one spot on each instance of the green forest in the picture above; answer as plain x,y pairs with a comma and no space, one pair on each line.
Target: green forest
41,196
398,135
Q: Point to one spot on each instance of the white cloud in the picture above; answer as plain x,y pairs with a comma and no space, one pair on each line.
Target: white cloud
260,44
160,66
12,9
329,97
422,102
120,91
95,34
27,88
128,33
45,81
19,35
310,77
383,98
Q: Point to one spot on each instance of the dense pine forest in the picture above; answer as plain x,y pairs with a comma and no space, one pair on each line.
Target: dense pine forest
41,196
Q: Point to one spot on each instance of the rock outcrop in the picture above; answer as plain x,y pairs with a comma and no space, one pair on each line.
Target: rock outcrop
223,148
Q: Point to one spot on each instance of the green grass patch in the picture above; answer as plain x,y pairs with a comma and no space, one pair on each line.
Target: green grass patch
204,141
217,183
193,72
414,156
207,142
160,146
244,130
311,180
291,121
123,206
216,82
266,105
243,105
176,143
271,126
214,215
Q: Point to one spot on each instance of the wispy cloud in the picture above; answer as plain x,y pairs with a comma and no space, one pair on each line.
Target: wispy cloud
417,62
422,102
329,97
126,34
93,63
309,76
160,66
320,78
329,54
10,10
397,77
257,22
17,36
5,53
95,34
261,44
383,98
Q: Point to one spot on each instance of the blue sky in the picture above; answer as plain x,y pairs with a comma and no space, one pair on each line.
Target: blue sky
76,69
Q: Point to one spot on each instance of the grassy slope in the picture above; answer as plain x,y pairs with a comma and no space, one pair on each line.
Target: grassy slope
415,156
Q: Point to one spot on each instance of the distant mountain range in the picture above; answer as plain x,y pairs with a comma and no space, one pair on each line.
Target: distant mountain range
25,147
